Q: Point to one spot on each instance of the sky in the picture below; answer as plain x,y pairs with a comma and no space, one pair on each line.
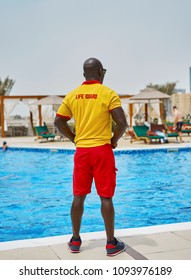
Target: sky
43,43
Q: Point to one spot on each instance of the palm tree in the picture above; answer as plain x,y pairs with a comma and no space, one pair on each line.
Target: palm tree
168,88
6,86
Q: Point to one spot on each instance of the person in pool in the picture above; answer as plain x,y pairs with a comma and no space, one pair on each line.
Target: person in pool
93,107
4,146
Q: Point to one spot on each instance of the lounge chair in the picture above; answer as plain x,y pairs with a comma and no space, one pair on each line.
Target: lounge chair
43,133
186,128
172,131
132,135
161,127
141,134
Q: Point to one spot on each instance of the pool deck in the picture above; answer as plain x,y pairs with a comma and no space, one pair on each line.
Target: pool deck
165,242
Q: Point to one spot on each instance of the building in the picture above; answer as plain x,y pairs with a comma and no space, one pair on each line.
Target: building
183,102
180,90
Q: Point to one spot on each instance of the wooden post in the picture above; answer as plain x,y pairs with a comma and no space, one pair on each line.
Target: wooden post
40,114
31,122
131,114
146,112
2,118
161,112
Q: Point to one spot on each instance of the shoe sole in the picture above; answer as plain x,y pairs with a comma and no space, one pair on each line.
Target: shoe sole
73,251
117,253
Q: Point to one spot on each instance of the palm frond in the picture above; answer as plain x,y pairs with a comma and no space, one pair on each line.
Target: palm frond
6,86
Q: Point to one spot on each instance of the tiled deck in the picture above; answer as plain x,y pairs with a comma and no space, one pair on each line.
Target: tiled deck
152,243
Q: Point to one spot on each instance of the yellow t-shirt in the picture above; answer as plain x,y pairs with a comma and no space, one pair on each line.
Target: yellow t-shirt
90,105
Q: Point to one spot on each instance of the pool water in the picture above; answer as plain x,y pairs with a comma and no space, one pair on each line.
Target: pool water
36,192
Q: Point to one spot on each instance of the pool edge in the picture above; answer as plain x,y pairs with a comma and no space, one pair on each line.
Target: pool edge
47,241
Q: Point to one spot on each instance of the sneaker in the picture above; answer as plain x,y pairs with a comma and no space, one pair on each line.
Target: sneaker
74,245
115,247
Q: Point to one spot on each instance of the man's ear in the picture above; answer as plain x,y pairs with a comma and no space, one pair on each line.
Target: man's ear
99,73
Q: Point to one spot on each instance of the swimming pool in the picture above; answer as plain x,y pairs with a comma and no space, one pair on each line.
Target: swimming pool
153,187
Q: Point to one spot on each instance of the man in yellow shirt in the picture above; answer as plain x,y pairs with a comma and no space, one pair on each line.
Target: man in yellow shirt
93,107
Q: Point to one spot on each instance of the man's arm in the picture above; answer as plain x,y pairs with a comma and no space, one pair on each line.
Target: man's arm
118,117
63,127
175,120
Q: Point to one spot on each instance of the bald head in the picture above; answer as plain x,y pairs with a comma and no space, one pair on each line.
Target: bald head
93,69
92,63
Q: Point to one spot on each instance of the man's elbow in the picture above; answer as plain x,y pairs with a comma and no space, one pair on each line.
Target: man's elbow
58,121
123,123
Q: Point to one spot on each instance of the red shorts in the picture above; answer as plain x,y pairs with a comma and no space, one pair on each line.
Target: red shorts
96,163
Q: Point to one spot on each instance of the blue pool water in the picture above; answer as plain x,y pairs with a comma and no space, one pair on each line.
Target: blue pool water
153,187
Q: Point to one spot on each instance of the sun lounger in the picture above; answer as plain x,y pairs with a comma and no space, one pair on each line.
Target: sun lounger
172,131
186,128
43,133
141,134
133,136
161,127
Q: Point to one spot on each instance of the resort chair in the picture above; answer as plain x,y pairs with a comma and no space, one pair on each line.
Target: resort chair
186,128
141,134
132,135
161,127
43,133
171,132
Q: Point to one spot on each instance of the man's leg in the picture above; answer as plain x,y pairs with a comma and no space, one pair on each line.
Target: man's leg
179,128
108,214
180,136
113,246
77,210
